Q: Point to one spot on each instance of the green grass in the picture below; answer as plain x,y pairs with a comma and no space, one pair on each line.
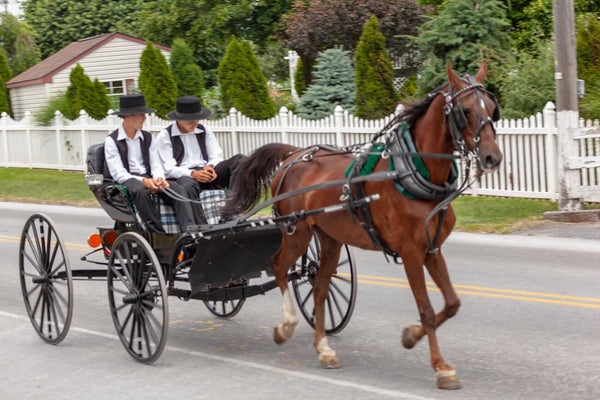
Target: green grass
45,186
474,214
498,214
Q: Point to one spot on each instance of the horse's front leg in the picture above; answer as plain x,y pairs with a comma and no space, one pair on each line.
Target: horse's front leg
330,254
445,374
436,265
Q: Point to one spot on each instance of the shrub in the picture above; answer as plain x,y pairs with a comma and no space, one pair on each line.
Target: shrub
156,81
375,94
187,74
333,85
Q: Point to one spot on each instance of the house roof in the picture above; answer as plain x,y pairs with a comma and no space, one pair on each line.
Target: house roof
43,71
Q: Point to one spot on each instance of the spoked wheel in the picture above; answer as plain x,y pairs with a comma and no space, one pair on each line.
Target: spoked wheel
46,280
341,299
225,308
137,297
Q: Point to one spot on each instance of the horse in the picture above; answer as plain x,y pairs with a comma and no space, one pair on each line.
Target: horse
457,117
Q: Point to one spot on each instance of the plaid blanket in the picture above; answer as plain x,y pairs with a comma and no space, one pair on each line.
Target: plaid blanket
212,201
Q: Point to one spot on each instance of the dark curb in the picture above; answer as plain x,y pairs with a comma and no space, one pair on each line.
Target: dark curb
573,216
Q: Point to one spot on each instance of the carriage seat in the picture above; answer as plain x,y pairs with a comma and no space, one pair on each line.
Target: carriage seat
115,200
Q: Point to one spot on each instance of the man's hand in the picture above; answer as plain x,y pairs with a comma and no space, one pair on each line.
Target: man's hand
206,174
150,184
161,183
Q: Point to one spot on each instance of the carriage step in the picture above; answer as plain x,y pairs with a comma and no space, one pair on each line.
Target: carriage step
232,292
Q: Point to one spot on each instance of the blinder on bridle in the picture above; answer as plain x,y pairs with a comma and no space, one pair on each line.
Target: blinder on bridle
456,118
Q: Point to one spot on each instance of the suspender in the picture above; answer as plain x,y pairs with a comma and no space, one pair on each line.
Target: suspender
179,151
122,148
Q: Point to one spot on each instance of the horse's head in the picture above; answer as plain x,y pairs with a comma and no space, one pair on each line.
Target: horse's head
470,112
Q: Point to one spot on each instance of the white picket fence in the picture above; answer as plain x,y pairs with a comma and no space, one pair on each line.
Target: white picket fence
529,145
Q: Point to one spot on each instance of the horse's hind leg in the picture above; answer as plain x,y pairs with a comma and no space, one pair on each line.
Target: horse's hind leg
291,248
330,254
436,265
445,374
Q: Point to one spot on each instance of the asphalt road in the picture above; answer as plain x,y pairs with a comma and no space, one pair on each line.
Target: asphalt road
528,328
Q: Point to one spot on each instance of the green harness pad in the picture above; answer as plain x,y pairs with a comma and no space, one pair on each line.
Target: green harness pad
375,155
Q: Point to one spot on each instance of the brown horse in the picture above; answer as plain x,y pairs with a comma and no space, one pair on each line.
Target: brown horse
398,219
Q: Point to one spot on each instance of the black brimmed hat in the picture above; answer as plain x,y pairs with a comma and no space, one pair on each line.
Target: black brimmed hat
188,108
133,104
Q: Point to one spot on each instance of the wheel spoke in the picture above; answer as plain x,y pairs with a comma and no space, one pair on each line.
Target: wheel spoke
36,263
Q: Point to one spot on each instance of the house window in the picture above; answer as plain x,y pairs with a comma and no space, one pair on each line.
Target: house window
114,88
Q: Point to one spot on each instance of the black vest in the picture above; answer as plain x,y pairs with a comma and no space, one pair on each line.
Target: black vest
122,148
179,151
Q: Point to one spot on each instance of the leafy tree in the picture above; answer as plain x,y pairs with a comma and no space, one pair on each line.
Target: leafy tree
187,74
16,39
318,25
243,85
375,94
208,25
299,81
60,22
156,81
445,37
80,93
5,76
529,82
334,85
588,62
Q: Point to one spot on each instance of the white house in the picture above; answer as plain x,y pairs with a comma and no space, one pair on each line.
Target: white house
113,58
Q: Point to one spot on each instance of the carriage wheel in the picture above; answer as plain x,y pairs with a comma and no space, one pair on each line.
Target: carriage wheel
224,308
46,280
137,297
341,299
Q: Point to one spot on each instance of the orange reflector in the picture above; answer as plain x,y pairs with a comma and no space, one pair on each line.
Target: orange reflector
180,256
110,237
94,240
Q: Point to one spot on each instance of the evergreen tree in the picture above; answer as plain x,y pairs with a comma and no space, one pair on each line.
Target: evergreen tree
299,81
156,81
100,104
375,94
333,85
242,83
80,93
5,76
187,74
463,32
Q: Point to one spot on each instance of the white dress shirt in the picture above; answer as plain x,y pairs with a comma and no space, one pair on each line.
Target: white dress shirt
134,157
192,155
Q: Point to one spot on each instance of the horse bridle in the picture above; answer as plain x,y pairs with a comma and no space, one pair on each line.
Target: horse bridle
456,119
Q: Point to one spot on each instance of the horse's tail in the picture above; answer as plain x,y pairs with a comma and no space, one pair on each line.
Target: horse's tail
251,180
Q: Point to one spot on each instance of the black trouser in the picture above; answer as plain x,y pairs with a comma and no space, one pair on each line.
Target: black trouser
144,204
147,208
225,170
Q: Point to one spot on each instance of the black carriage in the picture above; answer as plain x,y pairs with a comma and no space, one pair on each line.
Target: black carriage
216,263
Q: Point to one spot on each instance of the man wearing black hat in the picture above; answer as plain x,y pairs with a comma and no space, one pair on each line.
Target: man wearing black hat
132,161
190,153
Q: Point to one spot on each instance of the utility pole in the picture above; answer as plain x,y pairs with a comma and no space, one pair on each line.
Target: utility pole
567,114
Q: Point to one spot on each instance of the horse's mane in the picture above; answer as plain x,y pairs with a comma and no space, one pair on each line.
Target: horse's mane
413,111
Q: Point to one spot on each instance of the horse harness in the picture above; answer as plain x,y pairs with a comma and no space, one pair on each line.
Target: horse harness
403,155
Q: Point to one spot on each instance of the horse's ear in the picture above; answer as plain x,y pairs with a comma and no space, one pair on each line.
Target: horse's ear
453,79
482,72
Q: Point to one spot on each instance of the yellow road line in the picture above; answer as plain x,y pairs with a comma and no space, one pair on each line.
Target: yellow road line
480,288
586,302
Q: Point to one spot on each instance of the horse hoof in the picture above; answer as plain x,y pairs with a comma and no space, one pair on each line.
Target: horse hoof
447,380
329,362
278,337
408,339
